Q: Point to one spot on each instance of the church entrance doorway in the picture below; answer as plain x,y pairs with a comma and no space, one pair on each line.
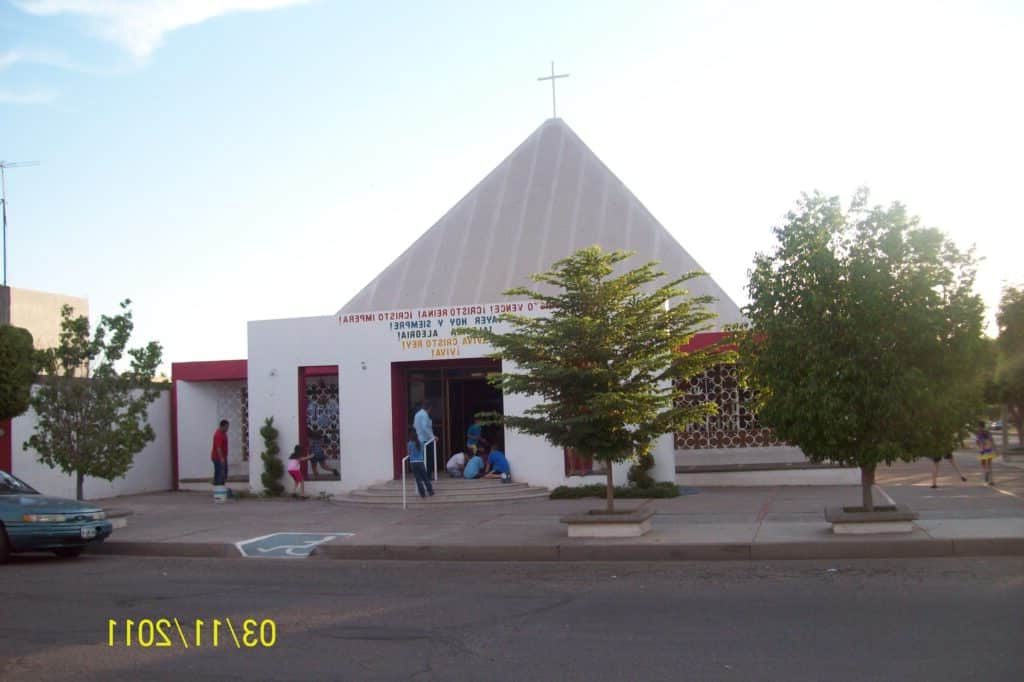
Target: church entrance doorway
456,389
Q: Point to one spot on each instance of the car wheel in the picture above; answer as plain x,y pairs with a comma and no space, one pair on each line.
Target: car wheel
68,552
5,549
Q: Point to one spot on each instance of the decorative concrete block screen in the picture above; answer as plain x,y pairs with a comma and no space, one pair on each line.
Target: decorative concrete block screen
233,405
322,416
735,425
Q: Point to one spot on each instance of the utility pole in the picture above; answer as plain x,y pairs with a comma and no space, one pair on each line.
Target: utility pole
4,165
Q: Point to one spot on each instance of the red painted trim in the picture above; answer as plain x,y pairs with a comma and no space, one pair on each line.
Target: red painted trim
305,373
303,432
701,341
399,415
174,433
321,371
400,419
6,457
216,370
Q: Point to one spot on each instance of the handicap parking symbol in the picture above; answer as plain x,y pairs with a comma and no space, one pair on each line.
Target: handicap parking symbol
285,545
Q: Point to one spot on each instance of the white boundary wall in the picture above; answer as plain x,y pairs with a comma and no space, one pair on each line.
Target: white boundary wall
150,471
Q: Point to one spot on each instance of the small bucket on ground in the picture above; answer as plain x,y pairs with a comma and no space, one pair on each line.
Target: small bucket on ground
220,493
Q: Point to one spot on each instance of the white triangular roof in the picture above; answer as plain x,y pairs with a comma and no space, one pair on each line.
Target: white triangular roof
550,197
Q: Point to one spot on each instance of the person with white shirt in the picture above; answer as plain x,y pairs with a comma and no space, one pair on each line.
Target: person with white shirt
456,463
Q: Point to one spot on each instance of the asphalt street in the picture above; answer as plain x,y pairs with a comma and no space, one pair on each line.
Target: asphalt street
925,619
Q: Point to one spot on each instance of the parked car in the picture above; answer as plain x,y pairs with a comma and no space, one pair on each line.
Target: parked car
997,425
32,522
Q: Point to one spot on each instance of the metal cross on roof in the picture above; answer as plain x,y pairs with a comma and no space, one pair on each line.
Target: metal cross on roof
552,77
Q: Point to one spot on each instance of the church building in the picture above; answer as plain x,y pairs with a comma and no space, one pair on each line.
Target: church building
348,384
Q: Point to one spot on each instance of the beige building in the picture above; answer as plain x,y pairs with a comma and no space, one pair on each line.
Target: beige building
38,312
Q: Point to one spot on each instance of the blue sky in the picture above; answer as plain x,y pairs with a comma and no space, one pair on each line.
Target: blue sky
219,161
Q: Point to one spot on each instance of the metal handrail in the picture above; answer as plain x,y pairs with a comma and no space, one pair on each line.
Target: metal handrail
406,459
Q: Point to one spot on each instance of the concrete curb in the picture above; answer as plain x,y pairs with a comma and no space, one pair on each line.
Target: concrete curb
767,551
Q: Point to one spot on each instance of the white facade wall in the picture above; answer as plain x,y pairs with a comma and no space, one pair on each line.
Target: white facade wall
201,406
150,471
364,353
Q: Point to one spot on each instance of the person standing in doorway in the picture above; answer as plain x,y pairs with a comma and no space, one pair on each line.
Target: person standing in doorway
986,451
473,434
219,454
424,426
419,469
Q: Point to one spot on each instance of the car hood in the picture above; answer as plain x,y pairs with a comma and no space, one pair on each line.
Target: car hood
44,504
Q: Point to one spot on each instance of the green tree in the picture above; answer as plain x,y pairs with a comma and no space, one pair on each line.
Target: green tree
92,416
272,467
864,337
1009,378
17,370
604,357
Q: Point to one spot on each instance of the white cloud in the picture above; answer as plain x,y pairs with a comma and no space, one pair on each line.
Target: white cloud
139,26
30,97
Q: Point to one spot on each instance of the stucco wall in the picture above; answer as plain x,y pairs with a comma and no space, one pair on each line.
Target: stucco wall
150,471
364,352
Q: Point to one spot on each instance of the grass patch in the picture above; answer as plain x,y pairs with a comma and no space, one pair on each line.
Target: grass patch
623,492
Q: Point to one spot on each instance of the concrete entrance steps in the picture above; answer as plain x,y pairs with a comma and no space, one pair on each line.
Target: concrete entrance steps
448,491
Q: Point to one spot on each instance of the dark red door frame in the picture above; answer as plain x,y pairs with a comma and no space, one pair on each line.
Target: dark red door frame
218,370
305,373
401,420
6,457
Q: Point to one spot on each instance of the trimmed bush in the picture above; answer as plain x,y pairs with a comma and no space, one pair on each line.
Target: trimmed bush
272,467
622,492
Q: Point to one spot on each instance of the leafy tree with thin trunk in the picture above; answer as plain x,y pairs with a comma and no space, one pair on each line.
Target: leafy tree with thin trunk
864,340
17,370
92,405
1009,377
603,357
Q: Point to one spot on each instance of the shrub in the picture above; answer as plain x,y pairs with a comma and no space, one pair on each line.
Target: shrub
272,467
622,492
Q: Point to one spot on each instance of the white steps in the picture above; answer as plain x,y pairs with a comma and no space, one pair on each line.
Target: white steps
448,491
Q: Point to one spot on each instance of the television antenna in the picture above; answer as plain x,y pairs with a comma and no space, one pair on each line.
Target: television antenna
4,165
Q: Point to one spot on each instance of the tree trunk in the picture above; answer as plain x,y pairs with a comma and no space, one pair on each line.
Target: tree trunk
610,495
79,477
867,481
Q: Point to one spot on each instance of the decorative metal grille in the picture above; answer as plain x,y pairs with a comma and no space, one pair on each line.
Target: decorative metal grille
233,404
322,415
243,396
735,425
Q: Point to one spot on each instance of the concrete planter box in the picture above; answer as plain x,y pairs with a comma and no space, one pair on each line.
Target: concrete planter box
600,524
884,519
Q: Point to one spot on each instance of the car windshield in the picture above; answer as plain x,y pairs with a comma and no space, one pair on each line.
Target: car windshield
9,485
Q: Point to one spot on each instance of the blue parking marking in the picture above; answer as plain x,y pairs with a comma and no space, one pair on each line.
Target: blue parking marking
285,545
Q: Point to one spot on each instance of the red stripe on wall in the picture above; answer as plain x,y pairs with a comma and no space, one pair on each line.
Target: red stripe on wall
5,446
215,370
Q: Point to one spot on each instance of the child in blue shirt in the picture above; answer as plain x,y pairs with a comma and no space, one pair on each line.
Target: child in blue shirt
419,468
474,467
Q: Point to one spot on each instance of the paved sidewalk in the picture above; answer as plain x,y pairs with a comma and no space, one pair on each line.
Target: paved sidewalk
711,523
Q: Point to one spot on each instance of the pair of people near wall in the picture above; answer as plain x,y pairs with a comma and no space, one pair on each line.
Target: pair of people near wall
294,467
986,453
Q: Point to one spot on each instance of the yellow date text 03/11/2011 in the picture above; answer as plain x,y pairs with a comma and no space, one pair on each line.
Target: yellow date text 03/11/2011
147,633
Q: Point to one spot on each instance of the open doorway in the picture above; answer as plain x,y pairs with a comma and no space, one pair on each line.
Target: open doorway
456,390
